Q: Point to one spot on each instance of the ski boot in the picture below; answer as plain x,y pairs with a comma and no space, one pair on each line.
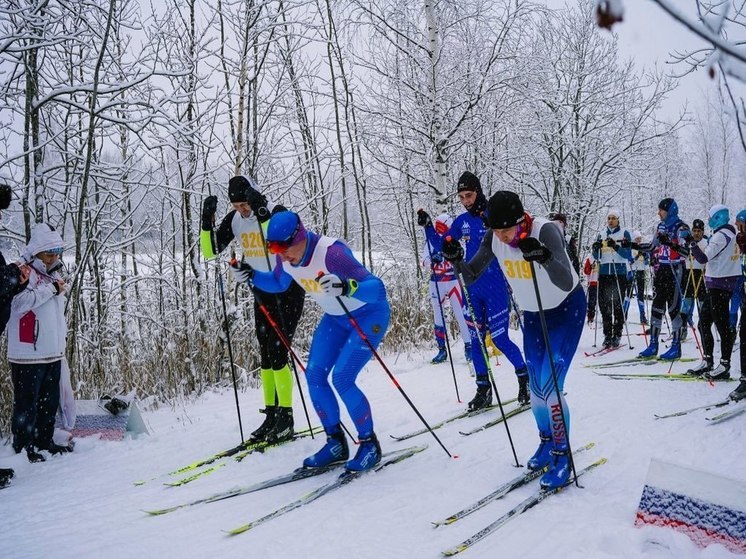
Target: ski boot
524,398
607,342
483,397
615,341
261,433
704,366
6,474
542,457
721,372
651,351
34,456
440,357
559,471
674,352
335,451
740,392
55,448
368,454
282,428
467,352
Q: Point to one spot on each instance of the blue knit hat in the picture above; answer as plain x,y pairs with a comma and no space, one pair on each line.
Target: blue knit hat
285,228
719,216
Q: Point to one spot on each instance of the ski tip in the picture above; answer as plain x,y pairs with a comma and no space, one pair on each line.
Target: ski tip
455,456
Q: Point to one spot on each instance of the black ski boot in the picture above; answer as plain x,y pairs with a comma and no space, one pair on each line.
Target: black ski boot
740,392
524,398
282,429
721,372
6,474
705,366
33,455
483,397
261,433
55,448
615,341
607,342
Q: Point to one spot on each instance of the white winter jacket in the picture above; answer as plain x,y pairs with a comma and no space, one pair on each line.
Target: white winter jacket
37,328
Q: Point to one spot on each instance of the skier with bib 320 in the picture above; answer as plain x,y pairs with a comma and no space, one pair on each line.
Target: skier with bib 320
517,239
349,295
488,295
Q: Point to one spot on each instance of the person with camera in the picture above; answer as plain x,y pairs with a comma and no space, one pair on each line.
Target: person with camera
247,223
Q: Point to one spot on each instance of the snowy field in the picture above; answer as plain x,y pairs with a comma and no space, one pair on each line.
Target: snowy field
85,504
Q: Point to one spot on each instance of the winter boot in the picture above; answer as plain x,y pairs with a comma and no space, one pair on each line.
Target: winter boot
6,475
33,455
542,457
559,470
467,352
282,429
615,341
483,397
335,451
61,449
740,392
524,398
607,342
440,357
704,366
368,454
651,351
261,433
674,352
721,372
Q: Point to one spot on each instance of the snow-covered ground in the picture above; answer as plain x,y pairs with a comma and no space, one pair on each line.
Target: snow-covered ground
85,504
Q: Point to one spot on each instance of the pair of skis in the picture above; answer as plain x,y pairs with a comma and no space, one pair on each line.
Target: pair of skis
636,361
734,409
534,499
603,351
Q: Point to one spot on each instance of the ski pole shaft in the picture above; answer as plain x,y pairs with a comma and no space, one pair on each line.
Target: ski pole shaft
626,328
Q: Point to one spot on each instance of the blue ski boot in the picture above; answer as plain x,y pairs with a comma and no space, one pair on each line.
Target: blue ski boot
559,471
651,351
542,457
368,454
335,451
674,352
441,357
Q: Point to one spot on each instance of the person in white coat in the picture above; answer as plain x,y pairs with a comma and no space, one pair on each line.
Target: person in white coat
36,346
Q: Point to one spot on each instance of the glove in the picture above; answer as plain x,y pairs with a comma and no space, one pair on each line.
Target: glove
452,250
209,208
611,243
437,258
664,239
625,243
262,213
333,285
597,246
242,271
423,220
533,250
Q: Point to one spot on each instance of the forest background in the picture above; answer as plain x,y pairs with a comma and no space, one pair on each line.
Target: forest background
120,116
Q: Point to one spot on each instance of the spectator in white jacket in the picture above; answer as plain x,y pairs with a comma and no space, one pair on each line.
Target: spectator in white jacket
36,346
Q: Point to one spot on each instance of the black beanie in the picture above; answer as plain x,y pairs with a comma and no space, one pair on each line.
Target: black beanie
469,181
6,195
504,210
698,224
665,204
241,189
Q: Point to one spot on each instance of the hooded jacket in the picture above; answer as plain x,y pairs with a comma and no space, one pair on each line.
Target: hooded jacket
37,329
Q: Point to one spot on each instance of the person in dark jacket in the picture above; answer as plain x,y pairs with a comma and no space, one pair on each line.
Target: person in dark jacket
13,280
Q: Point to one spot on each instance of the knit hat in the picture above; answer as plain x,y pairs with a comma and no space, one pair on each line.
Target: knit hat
741,216
468,181
43,239
244,189
666,204
285,229
443,223
698,224
719,216
504,210
6,195
614,212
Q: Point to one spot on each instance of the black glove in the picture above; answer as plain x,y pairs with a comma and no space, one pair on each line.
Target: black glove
611,243
533,250
209,208
625,243
242,271
452,250
664,239
437,258
597,245
423,220
262,213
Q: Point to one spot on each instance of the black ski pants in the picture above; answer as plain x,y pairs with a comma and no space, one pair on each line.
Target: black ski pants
666,295
716,309
611,303
36,397
285,309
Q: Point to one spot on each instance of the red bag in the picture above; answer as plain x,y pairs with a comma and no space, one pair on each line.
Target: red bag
27,328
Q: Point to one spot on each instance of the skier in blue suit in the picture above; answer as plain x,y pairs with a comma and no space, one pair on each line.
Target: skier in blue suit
517,239
488,295
326,269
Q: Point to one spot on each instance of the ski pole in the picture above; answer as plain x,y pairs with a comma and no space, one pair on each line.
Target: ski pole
626,328
443,317
486,358
545,333
265,212
388,372
230,348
